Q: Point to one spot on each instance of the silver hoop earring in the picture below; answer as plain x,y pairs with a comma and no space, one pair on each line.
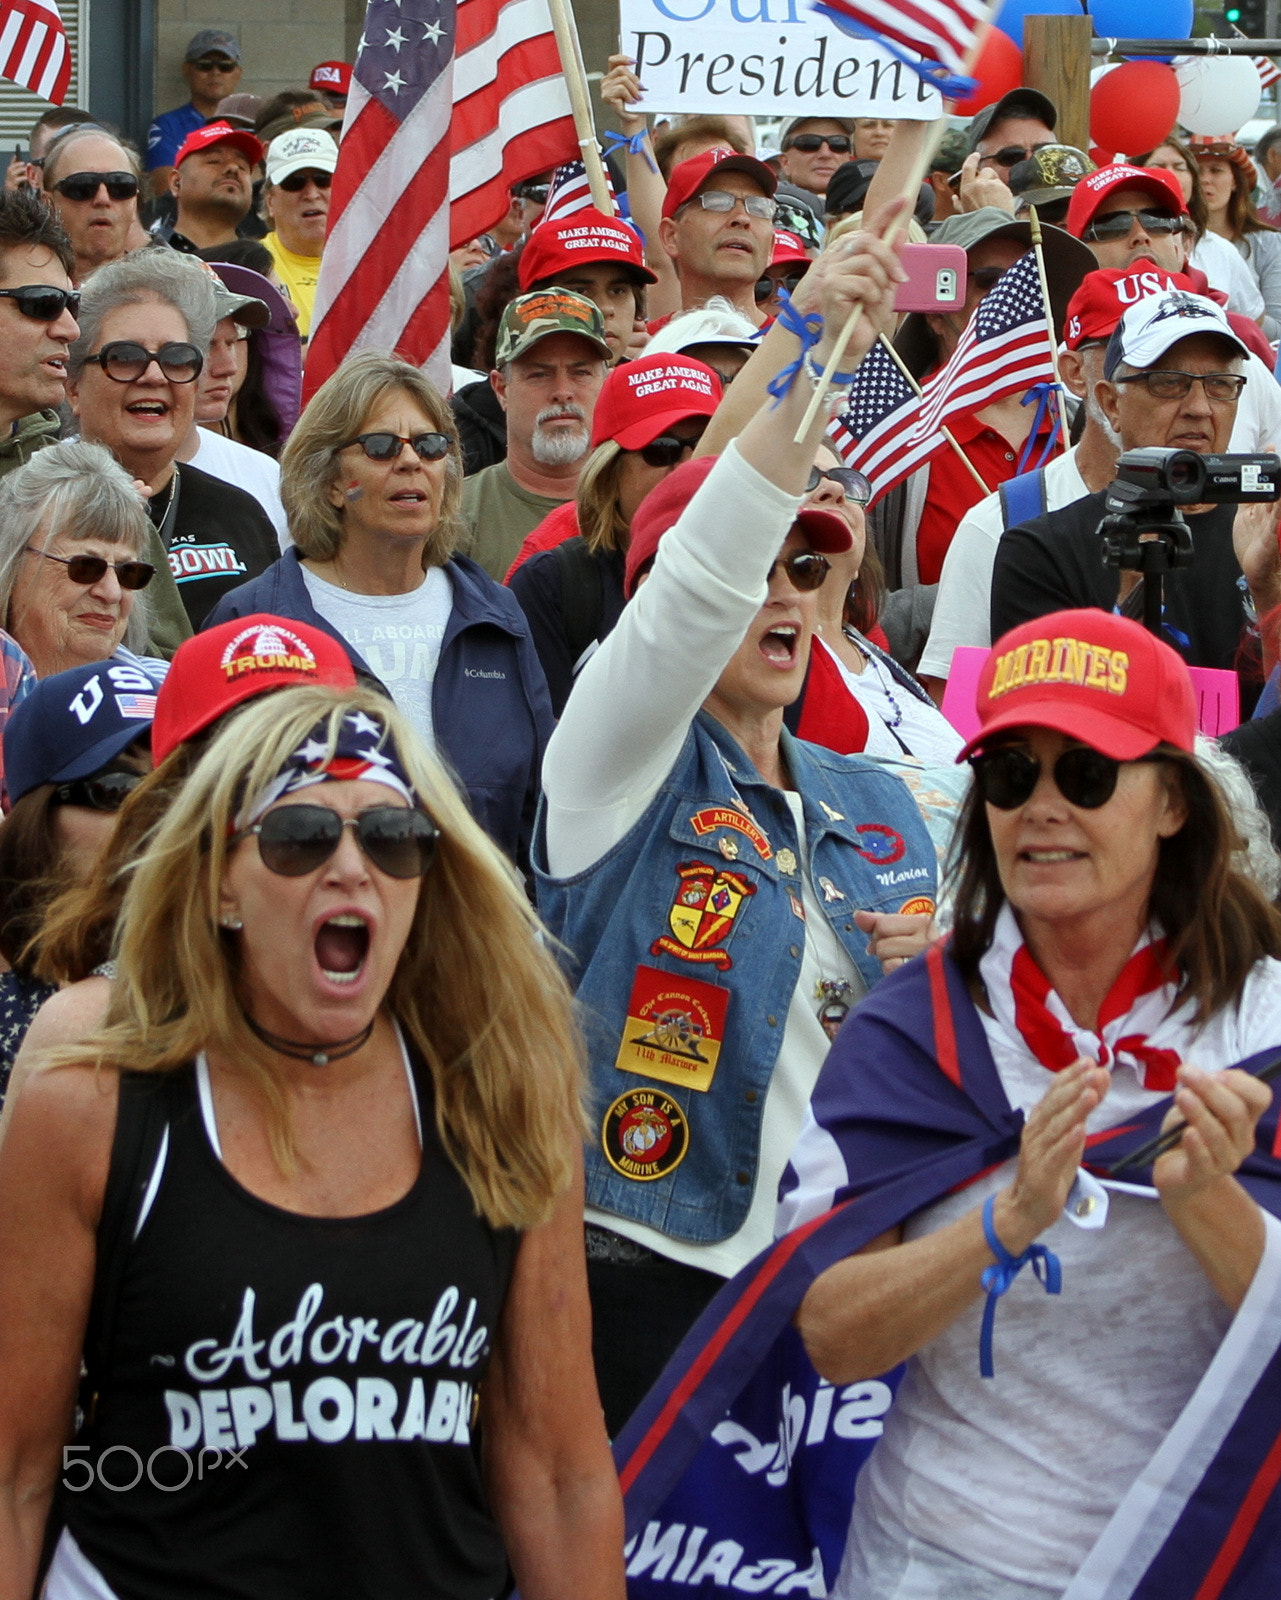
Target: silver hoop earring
232,924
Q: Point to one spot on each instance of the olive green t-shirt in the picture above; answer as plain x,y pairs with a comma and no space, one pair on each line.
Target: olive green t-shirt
499,514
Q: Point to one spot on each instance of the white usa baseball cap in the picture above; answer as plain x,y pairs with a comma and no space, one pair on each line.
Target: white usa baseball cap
1152,325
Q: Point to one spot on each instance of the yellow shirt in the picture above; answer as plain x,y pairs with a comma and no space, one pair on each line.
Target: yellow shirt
300,275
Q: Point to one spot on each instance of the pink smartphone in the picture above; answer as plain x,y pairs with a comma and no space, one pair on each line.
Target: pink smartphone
935,278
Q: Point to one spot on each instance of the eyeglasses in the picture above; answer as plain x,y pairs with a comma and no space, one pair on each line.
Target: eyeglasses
1117,224
1222,386
837,143
1007,776
214,64
296,840
722,200
765,287
125,361
854,485
986,278
668,448
297,181
536,193
88,570
1012,154
806,570
387,446
43,302
107,792
85,185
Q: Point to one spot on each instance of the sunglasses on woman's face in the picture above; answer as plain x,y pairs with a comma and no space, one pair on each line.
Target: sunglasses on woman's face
837,143
853,484
668,448
88,570
85,185
1008,776
387,446
763,288
805,570
125,361
296,840
296,182
106,792
43,302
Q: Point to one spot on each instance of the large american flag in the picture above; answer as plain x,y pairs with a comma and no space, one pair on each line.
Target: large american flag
450,104
33,48
873,434
940,30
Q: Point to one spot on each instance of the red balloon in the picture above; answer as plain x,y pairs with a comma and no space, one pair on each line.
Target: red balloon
1134,107
998,69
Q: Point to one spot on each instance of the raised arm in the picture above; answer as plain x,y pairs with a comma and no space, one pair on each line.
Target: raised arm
622,90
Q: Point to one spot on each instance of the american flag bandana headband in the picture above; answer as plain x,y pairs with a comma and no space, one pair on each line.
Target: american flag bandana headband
365,752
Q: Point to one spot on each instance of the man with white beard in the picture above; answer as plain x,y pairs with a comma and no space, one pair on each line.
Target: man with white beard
550,359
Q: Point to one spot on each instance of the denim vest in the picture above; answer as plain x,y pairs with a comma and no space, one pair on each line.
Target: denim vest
705,892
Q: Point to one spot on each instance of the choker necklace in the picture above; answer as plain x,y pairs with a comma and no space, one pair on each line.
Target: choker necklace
319,1055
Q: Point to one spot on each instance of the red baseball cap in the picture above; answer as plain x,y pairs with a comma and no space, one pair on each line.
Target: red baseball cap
332,77
235,661
662,507
220,133
641,398
1099,304
690,176
1096,677
586,235
1094,188
787,248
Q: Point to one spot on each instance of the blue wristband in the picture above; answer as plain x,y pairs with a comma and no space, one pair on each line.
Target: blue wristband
809,330
996,1280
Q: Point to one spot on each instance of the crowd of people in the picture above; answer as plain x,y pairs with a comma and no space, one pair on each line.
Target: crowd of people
469,859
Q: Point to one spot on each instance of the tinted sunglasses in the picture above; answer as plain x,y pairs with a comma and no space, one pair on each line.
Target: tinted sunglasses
667,449
806,570
387,446
43,302
837,143
106,792
855,485
1084,777
1012,154
763,288
1171,385
214,64
85,185
1117,224
296,840
89,570
535,192
125,361
297,181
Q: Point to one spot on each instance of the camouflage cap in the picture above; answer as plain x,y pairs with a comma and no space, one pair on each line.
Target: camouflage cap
1050,173
532,317
951,153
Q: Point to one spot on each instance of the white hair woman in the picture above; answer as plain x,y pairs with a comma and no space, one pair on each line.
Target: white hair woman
338,1048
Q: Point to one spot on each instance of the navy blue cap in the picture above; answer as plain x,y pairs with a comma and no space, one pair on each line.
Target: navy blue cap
75,723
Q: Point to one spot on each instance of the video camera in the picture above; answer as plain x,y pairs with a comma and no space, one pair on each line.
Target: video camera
1144,530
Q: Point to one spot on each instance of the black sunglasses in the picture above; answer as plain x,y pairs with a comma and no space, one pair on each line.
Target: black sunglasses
387,446
89,570
296,840
125,361
855,485
43,302
763,288
85,185
806,570
1012,154
1084,777
667,449
214,64
107,792
1117,224
297,181
837,143
536,192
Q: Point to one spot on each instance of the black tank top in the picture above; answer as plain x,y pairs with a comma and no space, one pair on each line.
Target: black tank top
315,1380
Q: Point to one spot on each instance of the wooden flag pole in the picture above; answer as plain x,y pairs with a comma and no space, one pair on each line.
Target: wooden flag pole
571,62
1049,322
946,432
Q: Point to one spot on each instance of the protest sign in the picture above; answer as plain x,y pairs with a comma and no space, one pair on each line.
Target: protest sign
766,57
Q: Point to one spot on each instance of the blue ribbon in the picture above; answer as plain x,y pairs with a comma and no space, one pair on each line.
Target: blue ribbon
1040,392
809,330
932,73
996,1280
635,146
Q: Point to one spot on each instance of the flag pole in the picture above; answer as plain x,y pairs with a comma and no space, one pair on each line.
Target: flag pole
1049,323
946,432
571,63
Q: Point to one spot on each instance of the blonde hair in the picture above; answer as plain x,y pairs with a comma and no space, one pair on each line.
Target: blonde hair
335,415
599,520
474,989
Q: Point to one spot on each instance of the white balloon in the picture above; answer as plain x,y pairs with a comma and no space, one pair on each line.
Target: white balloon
1217,94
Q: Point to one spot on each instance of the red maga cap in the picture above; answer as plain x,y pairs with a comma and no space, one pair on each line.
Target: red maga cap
787,248
333,77
1104,296
1099,678
641,398
690,176
235,661
1093,189
587,235
220,133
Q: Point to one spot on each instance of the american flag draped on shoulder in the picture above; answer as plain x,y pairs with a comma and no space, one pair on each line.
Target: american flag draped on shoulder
450,105
33,48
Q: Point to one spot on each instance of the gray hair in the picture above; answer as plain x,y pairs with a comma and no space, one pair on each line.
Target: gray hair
145,277
81,491
1256,856
68,136
1264,143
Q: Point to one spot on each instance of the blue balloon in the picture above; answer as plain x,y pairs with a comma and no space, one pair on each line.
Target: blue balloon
1009,19
1142,19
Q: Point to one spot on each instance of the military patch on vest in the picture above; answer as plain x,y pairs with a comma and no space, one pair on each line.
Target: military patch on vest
703,909
712,818
880,843
674,1029
645,1135
918,905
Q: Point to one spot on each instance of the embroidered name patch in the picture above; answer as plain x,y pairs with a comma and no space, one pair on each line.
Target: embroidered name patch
674,1029
712,817
645,1135
703,909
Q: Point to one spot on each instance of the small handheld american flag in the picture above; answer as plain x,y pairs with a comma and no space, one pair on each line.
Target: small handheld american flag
33,48
874,433
571,191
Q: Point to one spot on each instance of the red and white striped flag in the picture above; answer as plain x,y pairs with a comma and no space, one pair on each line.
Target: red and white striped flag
33,48
570,191
449,106
873,434
1269,72
942,31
